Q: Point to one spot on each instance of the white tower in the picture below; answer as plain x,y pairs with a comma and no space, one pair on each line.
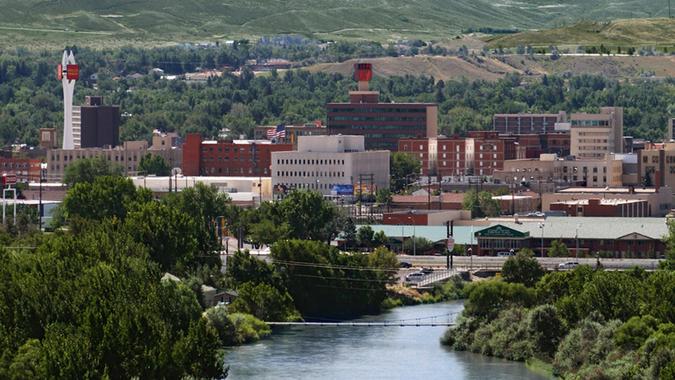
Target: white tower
68,74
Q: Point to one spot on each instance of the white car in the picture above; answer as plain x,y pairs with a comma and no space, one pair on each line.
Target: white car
414,277
568,265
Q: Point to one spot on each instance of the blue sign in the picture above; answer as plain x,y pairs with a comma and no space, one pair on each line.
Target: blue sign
342,190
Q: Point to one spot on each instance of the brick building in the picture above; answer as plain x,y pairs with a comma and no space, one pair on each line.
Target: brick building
382,124
486,152
25,169
96,125
244,158
526,123
624,208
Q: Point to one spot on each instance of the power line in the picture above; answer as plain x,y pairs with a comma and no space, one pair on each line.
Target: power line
343,278
331,266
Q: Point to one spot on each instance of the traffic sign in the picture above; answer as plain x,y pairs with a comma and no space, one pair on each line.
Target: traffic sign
451,243
8,179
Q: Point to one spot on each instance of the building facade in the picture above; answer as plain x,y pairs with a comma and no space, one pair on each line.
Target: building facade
595,135
603,207
607,171
527,123
223,158
656,165
25,169
323,162
381,124
96,125
659,203
127,156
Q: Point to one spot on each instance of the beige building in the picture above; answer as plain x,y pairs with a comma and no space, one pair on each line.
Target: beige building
656,165
607,171
128,155
595,135
660,201
323,162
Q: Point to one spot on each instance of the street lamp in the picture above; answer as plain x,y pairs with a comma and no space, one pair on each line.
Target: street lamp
576,237
43,167
541,225
513,196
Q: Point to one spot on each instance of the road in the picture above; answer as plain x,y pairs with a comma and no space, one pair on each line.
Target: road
491,262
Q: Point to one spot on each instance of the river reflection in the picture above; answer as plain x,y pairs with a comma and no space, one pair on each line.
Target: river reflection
352,353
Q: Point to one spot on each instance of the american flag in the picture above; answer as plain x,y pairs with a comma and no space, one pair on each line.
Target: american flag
278,132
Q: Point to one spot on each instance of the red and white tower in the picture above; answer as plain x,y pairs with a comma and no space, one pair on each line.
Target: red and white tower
68,73
363,73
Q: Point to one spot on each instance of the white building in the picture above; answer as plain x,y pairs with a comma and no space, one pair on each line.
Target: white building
323,162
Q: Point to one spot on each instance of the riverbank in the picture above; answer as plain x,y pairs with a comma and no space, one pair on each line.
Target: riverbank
401,295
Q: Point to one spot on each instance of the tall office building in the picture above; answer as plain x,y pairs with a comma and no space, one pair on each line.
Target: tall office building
96,125
381,124
595,135
527,123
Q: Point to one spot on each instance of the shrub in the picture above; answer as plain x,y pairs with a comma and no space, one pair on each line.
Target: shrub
248,328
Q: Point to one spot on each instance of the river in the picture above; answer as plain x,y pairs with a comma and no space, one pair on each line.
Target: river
356,353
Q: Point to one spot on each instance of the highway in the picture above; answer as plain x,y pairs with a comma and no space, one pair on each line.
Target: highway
491,262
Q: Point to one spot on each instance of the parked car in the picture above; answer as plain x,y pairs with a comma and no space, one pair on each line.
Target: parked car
568,265
427,270
506,254
414,277
404,264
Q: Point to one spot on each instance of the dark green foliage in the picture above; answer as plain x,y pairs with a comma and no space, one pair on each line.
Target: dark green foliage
153,164
405,168
264,302
558,249
522,268
104,197
88,169
480,204
326,283
545,328
486,299
92,305
632,334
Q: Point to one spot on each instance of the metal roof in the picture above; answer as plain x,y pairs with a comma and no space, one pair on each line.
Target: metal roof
554,228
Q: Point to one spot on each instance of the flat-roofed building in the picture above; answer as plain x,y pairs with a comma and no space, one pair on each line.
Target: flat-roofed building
127,156
227,157
323,163
595,135
382,124
659,202
607,171
604,207
527,123
291,132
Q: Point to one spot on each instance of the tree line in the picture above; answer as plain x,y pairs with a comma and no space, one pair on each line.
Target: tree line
234,104
583,324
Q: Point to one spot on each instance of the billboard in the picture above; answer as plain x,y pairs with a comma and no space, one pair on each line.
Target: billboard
59,72
72,72
342,190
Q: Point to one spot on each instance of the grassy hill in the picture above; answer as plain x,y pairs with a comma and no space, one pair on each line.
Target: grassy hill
105,22
490,68
629,32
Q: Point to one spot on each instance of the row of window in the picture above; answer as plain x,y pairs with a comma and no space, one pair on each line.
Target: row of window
312,186
379,110
310,162
378,118
304,174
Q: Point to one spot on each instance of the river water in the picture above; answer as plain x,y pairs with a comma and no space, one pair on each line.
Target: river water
355,353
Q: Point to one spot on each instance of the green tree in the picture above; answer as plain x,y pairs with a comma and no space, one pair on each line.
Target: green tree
546,328
265,302
105,197
88,169
364,236
404,169
558,249
522,268
349,233
418,245
632,334
461,119
154,164
480,204
169,234
383,197
310,216
486,299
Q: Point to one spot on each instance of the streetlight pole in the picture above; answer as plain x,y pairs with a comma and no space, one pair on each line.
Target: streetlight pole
43,166
576,237
541,225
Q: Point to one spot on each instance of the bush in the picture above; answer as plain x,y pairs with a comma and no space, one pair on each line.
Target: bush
546,329
264,302
486,299
248,328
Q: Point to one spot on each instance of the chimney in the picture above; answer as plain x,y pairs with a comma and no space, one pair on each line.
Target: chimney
657,180
363,73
